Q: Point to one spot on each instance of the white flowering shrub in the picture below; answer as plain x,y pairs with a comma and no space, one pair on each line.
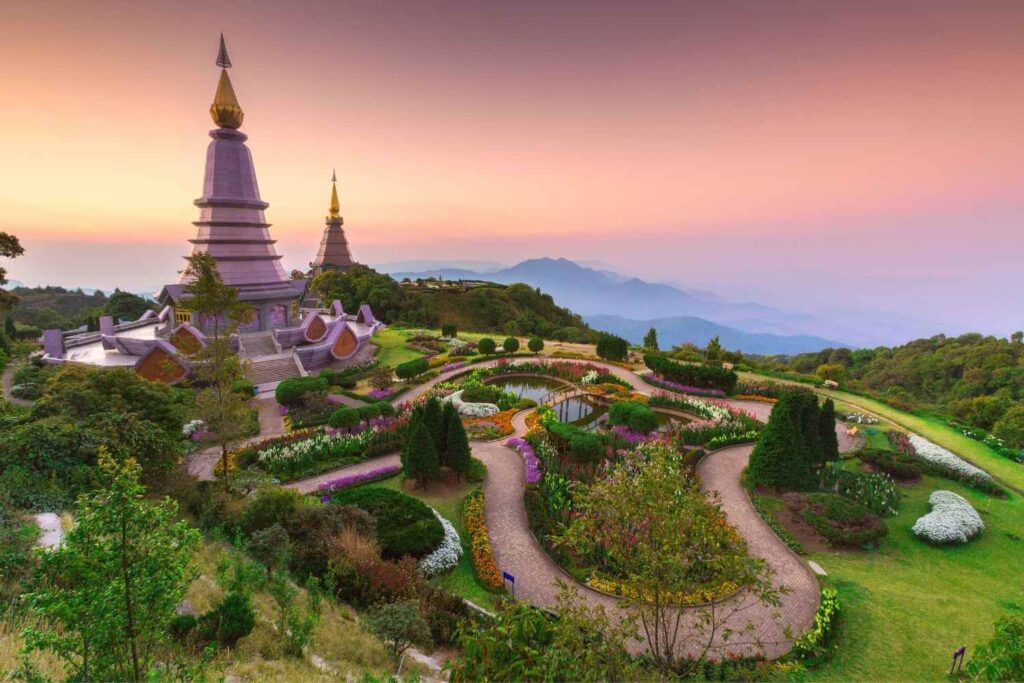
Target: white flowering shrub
471,409
446,555
589,377
952,520
192,427
939,455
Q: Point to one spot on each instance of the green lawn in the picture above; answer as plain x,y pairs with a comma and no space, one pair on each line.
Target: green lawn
460,580
931,428
908,606
392,346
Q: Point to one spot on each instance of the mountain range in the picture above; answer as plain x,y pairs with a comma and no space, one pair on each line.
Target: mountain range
628,306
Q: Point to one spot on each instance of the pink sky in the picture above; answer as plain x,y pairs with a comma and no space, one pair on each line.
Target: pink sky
867,154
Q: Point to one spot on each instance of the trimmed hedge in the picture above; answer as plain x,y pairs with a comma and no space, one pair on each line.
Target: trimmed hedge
412,368
405,526
633,414
698,376
581,445
291,391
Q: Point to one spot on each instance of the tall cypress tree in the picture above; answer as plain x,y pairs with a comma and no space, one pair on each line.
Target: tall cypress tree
827,428
449,416
420,456
770,462
457,446
810,427
434,422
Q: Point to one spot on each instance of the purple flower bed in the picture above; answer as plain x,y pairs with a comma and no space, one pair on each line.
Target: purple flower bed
632,437
361,478
448,367
380,393
524,448
660,381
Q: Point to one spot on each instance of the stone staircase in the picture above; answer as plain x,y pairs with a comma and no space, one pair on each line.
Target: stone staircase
272,369
256,345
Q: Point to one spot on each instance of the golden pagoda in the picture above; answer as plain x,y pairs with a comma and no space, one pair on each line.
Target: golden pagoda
225,110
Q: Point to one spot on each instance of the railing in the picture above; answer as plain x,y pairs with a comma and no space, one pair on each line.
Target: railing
563,393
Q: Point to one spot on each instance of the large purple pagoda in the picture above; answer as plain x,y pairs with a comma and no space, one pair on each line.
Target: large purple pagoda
232,227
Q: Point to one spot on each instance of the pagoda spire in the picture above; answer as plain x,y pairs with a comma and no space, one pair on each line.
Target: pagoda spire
335,208
225,110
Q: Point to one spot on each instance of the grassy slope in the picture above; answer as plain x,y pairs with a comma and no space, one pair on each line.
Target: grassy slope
907,606
932,429
392,346
460,580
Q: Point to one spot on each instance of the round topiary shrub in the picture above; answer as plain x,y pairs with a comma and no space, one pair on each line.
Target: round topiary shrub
405,526
486,346
412,368
344,418
536,344
291,391
511,345
368,412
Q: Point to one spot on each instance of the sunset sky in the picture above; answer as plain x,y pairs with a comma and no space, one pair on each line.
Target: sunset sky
804,154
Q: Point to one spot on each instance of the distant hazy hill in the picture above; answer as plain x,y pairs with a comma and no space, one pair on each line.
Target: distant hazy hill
678,329
595,292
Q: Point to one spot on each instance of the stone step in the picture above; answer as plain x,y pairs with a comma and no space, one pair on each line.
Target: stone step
272,370
258,345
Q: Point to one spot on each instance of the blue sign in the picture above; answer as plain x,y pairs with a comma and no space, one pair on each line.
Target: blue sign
508,577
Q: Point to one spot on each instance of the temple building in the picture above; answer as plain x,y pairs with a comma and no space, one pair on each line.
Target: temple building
232,227
333,253
284,339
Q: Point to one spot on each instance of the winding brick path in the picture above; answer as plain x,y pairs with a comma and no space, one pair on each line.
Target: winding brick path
537,576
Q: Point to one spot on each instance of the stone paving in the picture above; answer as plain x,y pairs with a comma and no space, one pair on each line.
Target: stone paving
201,464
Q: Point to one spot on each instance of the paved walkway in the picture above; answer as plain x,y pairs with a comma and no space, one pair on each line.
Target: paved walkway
201,464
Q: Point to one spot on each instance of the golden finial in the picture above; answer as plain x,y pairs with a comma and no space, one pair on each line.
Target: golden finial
225,110
335,210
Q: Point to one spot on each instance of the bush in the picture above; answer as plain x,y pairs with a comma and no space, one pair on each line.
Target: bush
369,412
536,344
405,526
581,445
181,627
510,345
480,393
951,520
272,505
344,418
291,391
698,376
228,622
412,368
487,346
839,520
633,414
877,492
611,347
386,409
243,387
448,330
525,404
899,466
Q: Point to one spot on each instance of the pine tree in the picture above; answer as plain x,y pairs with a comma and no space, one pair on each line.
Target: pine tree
827,425
810,436
651,339
420,456
434,421
457,446
769,461
415,418
449,415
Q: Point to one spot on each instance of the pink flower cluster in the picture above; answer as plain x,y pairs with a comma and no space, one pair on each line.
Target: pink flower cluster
448,367
361,478
380,393
632,437
533,473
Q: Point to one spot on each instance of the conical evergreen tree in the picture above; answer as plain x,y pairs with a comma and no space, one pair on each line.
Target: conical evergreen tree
420,456
457,446
810,431
449,416
434,421
771,460
415,418
827,427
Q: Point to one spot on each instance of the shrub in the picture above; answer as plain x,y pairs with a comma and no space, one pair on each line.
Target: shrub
611,347
228,622
897,465
181,627
581,445
420,460
700,376
369,412
399,625
412,368
344,418
633,414
487,346
405,526
951,520
386,409
815,642
877,492
480,393
243,387
272,505
510,345
448,330
1002,658
790,448
839,520
291,391
535,344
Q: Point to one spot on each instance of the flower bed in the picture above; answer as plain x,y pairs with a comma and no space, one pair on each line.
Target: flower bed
445,556
700,377
951,520
491,427
309,451
937,454
362,478
877,492
481,554
841,521
755,397
659,381
532,465
943,463
471,409
814,643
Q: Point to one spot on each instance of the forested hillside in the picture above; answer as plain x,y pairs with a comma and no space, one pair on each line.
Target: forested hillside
977,379
515,309
41,308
